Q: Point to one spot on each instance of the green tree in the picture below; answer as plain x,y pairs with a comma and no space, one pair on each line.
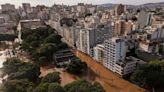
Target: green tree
17,69
43,87
49,87
53,38
151,74
27,71
54,87
96,87
46,51
11,65
52,77
7,37
76,66
18,86
41,44
83,86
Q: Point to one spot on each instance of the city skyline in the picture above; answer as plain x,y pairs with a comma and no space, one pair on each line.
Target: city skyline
82,45
73,2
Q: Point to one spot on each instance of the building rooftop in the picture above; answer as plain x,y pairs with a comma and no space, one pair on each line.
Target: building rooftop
128,60
31,20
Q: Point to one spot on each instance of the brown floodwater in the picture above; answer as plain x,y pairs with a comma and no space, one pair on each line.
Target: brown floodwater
110,81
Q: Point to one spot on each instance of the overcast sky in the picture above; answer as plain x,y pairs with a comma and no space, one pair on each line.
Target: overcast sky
72,2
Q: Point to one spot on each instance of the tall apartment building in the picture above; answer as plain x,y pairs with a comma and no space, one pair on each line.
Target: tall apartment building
103,33
129,27
119,9
89,38
115,50
86,41
120,27
7,7
99,53
144,19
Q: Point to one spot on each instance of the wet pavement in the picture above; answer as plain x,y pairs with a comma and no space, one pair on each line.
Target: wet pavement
110,81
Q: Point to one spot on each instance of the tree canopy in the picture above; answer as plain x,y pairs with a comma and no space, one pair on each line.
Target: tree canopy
16,69
49,87
21,85
7,37
83,86
76,66
41,43
52,77
11,65
151,74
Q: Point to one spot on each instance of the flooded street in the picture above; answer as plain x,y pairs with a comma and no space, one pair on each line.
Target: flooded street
110,81
67,78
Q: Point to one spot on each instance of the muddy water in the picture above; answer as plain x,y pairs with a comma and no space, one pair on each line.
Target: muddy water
110,81
66,78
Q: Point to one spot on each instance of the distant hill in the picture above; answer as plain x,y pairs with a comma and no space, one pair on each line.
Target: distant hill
160,4
109,5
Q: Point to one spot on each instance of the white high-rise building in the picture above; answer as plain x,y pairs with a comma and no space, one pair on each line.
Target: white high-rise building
115,50
99,52
145,19
86,41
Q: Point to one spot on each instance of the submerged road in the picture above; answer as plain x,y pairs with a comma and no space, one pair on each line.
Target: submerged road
110,81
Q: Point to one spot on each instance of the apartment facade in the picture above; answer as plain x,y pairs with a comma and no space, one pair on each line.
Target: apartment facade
115,50
99,53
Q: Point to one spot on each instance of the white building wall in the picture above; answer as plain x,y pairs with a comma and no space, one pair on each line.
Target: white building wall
115,50
99,53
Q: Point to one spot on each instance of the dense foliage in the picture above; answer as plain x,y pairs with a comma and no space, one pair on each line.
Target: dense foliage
21,75
16,69
151,75
11,65
41,43
49,87
18,86
83,86
7,37
76,66
52,77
